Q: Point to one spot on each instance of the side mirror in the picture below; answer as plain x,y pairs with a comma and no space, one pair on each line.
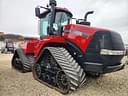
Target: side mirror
37,11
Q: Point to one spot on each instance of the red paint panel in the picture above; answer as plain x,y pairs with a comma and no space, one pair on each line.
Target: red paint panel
29,46
80,41
42,43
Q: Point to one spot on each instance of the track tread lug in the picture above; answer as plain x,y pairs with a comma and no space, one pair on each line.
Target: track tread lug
69,65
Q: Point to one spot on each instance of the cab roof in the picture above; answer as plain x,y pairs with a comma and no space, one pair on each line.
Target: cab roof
58,9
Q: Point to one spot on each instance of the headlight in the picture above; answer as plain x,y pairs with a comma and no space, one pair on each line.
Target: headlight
112,52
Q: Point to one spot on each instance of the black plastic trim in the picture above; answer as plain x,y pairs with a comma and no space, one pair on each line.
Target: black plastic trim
74,47
100,68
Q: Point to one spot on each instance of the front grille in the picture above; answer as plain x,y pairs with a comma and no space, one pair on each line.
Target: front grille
104,40
117,41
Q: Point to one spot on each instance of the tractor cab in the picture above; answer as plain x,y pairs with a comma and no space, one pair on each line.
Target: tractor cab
52,21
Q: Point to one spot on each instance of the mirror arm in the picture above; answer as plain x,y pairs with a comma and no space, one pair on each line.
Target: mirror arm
44,8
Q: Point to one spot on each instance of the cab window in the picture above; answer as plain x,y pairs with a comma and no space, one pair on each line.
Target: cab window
61,19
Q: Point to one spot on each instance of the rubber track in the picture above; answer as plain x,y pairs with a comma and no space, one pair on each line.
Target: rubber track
72,69
26,61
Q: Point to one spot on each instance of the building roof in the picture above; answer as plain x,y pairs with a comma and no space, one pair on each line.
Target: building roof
1,33
11,36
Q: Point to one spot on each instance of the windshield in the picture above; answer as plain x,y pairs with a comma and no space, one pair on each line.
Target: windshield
61,19
43,26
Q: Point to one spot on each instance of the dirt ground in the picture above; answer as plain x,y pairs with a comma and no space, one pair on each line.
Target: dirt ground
13,83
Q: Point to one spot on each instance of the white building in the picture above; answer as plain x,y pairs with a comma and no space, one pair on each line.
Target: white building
2,44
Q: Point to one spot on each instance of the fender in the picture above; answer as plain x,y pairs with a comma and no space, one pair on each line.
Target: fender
47,42
21,55
29,46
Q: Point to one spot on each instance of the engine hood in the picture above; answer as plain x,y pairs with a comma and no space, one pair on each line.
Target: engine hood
83,28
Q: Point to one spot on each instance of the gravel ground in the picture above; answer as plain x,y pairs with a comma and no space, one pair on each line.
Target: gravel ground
13,83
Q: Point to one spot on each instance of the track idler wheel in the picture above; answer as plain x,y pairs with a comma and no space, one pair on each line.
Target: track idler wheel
62,81
38,70
17,64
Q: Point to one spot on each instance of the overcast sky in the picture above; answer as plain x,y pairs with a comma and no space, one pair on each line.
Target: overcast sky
17,16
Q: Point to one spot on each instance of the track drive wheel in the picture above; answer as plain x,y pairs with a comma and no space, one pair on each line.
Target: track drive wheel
38,70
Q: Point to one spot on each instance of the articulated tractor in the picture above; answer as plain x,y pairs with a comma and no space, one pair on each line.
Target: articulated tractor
67,53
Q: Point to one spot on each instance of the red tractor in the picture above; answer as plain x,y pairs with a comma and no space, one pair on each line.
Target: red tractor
66,53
